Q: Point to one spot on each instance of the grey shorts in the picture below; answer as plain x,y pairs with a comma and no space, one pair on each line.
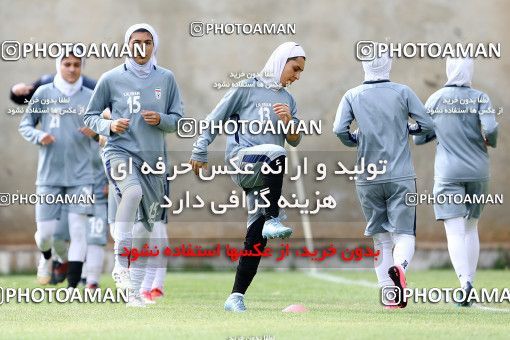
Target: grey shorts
450,209
62,230
97,231
46,212
384,207
256,155
97,227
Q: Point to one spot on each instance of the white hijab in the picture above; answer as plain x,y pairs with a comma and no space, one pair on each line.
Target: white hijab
273,69
378,68
459,71
142,71
61,84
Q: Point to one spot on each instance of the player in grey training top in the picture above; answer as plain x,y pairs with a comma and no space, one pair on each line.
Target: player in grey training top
465,126
382,109
64,166
265,99
145,104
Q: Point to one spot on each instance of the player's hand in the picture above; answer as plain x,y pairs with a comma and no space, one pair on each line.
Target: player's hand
151,117
47,139
119,125
107,114
105,190
196,165
87,132
102,141
283,112
22,89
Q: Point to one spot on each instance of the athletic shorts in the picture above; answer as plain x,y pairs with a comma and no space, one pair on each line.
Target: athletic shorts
96,226
256,155
46,212
384,207
451,208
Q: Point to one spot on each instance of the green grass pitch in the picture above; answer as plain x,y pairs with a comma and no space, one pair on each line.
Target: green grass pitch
193,308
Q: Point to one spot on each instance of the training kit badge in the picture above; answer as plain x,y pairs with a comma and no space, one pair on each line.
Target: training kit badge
157,92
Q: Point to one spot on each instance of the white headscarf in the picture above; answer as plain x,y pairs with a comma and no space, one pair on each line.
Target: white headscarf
459,71
142,71
377,69
273,69
65,87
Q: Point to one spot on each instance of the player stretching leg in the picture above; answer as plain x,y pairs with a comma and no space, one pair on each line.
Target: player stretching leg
462,163
381,109
145,104
261,98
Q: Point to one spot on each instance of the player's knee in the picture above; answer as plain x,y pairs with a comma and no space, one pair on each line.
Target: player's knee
382,240
133,193
278,151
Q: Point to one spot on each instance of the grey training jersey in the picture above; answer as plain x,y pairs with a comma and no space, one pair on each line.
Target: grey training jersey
382,110
248,101
462,117
127,96
66,161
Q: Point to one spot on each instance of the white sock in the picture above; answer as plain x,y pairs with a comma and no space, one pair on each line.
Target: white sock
472,246
159,279
152,262
455,234
138,267
124,220
384,244
44,234
150,274
78,235
94,265
123,239
404,249
61,248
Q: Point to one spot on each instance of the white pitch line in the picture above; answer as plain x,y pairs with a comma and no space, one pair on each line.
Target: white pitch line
342,280
491,309
364,283
301,194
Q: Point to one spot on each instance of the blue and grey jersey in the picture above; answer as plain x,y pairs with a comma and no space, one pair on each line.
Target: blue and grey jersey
464,119
382,110
66,161
100,179
127,96
249,100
